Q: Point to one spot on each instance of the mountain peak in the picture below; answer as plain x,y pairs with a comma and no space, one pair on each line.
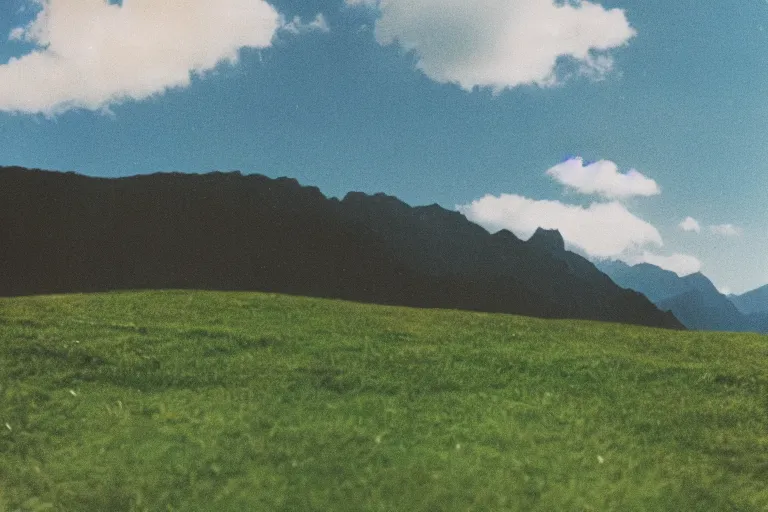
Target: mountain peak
378,199
505,234
549,239
701,282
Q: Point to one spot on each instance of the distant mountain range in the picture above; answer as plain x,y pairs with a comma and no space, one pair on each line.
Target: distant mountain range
693,299
64,232
753,302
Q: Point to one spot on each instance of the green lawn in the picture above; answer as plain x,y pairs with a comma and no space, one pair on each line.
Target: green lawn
242,401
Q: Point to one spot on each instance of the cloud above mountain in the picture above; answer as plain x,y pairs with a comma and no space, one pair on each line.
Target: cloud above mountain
603,178
90,53
601,229
681,264
501,43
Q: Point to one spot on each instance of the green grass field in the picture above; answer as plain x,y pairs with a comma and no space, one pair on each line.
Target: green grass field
242,401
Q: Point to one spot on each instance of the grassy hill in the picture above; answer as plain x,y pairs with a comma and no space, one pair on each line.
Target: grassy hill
241,401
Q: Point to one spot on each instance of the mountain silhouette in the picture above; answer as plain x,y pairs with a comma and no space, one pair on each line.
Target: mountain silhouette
693,299
64,232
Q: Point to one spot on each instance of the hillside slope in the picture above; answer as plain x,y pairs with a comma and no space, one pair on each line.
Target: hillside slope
71,233
247,401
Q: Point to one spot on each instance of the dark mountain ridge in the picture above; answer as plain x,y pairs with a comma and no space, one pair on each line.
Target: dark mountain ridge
64,232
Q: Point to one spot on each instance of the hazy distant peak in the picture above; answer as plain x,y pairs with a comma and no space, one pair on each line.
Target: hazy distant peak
752,302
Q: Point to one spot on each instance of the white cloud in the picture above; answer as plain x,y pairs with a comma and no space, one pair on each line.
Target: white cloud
681,264
601,230
690,224
91,53
501,43
603,178
725,230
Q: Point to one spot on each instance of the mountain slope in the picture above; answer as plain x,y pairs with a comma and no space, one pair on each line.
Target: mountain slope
697,309
194,400
755,301
439,242
758,322
655,283
67,233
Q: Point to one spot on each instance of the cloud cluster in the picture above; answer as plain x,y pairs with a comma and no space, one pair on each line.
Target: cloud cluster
692,225
91,53
603,178
603,230
501,43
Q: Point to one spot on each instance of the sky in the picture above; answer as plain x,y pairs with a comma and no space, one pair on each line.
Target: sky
635,127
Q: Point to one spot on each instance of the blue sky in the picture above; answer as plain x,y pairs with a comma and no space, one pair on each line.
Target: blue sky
434,101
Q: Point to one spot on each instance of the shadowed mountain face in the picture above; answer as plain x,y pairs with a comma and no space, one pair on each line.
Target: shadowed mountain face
693,299
70,233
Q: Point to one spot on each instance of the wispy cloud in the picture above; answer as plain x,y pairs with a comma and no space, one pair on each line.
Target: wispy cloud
603,178
725,230
501,43
692,225
90,53
297,26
